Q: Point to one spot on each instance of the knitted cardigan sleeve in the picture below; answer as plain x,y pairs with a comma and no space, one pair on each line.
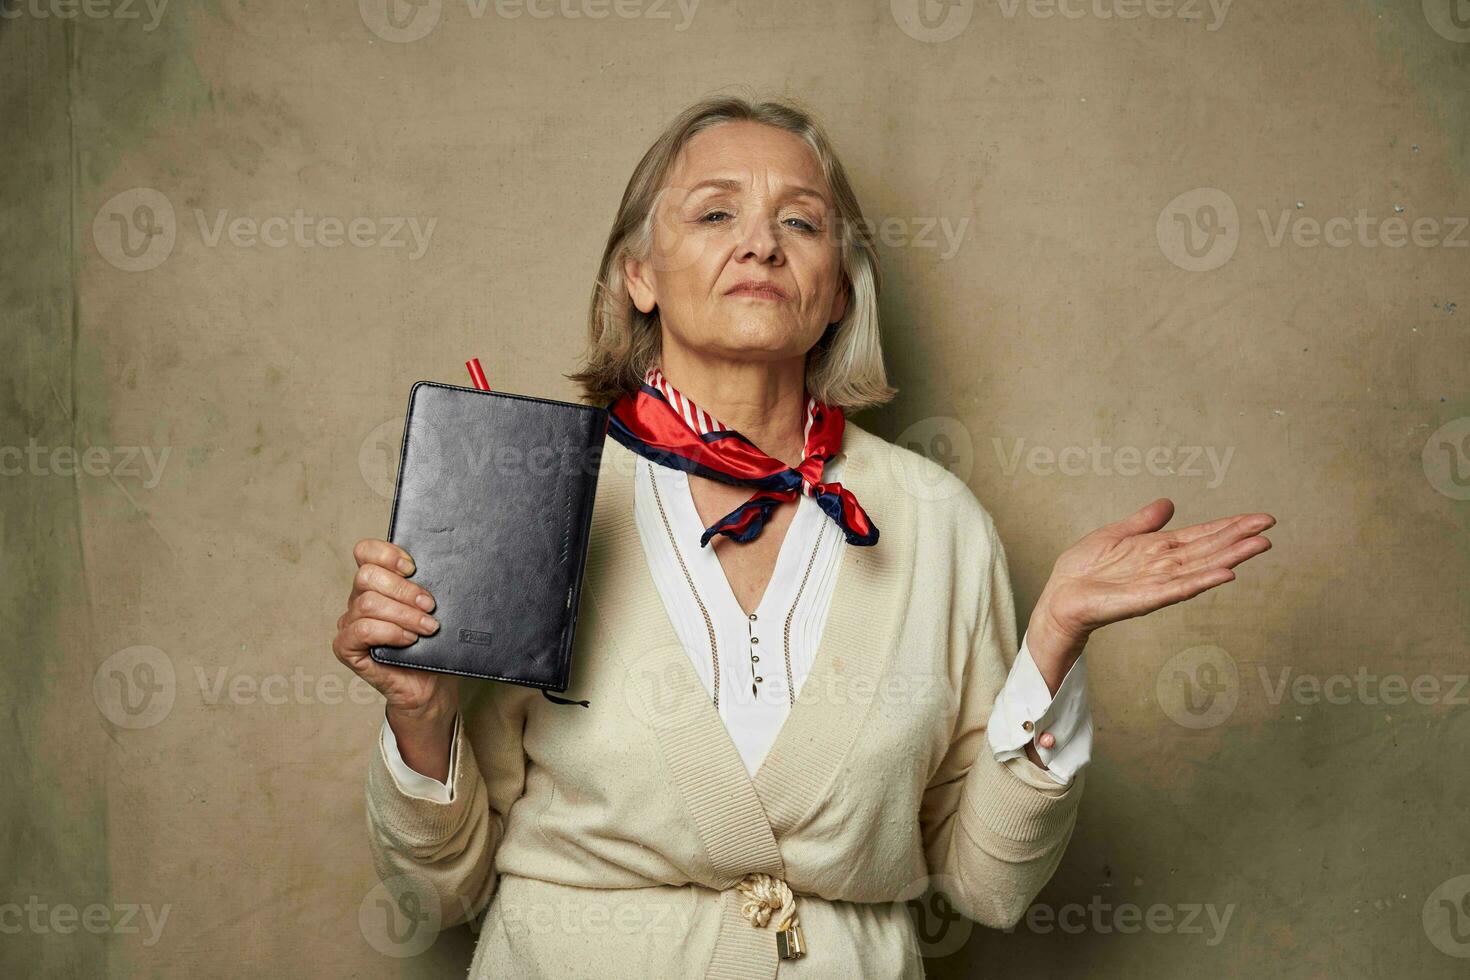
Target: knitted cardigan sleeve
448,849
993,832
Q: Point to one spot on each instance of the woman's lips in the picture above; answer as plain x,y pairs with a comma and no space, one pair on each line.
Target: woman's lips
759,290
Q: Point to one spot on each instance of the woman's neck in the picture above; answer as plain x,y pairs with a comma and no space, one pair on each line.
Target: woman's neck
762,400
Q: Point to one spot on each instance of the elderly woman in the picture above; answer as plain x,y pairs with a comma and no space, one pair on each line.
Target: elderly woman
797,696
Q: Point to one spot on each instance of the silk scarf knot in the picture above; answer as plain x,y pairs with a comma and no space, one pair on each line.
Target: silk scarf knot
663,426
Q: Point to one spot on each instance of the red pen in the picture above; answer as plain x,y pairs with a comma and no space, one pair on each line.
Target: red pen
477,374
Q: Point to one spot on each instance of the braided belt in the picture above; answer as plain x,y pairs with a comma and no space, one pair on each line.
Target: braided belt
765,894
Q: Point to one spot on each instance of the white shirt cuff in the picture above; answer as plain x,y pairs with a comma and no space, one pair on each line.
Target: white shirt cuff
1025,698
411,782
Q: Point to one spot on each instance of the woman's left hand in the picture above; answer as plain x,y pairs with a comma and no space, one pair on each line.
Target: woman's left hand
1130,568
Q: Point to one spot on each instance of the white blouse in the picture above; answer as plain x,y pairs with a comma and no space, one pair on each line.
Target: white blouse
753,648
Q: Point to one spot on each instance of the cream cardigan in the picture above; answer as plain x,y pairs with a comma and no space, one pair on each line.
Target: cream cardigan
608,840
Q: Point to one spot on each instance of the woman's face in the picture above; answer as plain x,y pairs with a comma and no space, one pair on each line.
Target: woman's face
745,261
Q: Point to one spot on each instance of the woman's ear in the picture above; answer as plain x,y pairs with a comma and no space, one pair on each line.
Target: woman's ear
640,288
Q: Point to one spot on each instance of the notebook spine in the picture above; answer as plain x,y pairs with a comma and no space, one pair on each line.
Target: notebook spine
596,436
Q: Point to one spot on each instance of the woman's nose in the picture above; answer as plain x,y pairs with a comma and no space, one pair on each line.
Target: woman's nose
758,240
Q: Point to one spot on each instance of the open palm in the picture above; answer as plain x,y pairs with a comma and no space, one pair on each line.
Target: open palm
1132,567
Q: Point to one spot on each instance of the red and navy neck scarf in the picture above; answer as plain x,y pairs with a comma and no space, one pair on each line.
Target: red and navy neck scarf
665,427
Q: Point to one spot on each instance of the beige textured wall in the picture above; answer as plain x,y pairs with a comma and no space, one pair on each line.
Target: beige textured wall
197,424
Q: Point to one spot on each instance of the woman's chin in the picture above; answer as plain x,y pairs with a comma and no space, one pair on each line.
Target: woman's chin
761,336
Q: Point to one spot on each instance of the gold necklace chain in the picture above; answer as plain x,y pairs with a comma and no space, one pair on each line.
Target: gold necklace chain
708,623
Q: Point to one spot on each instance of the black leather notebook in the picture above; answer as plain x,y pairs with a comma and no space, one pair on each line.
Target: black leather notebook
494,502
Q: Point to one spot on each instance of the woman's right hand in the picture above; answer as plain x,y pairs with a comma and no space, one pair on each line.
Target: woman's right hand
386,609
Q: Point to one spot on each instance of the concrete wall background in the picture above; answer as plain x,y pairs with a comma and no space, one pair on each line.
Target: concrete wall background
196,427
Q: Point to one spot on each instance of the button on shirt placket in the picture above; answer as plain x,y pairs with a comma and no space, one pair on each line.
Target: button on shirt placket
755,658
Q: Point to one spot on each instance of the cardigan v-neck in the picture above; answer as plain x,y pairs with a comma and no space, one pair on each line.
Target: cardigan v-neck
878,785
861,627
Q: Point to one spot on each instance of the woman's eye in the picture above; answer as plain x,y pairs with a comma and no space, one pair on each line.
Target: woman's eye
719,217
